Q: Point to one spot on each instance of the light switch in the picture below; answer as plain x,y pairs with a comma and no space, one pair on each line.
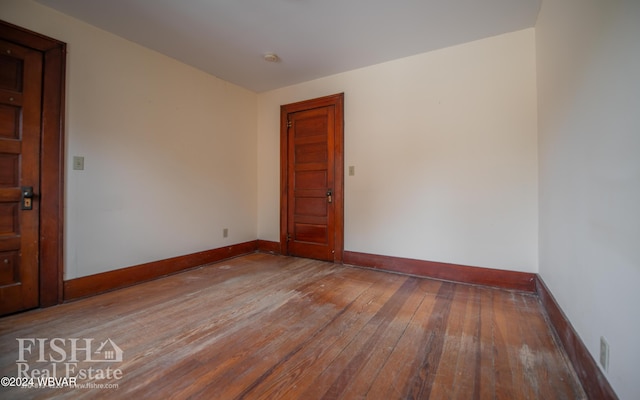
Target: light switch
78,163
352,170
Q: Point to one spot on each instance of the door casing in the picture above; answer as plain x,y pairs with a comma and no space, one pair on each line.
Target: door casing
336,100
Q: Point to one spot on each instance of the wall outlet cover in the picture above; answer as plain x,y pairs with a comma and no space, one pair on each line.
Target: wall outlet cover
604,353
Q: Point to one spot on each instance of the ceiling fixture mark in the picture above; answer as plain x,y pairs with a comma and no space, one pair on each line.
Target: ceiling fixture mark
271,57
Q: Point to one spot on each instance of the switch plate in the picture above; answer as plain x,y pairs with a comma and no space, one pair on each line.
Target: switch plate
352,170
225,232
78,163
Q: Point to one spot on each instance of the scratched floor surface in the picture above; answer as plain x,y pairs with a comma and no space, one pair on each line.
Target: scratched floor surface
272,327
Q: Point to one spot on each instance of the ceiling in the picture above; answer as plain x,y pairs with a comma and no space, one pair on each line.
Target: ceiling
313,38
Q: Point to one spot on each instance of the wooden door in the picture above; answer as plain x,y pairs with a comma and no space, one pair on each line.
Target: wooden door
312,178
18,88
20,123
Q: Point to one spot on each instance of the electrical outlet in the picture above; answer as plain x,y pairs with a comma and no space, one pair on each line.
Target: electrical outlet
225,232
604,353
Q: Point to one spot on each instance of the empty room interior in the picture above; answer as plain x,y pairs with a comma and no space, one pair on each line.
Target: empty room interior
320,199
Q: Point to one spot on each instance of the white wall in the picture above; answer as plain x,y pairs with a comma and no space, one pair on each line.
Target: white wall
589,100
445,152
170,152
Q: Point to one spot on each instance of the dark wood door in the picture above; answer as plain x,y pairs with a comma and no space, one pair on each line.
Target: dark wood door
312,159
20,126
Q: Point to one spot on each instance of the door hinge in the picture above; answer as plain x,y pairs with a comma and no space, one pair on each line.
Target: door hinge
289,124
288,237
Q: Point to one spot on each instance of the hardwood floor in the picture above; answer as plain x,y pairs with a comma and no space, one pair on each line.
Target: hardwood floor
272,327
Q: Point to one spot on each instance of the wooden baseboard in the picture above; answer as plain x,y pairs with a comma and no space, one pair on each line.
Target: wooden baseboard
267,246
594,383
111,280
450,272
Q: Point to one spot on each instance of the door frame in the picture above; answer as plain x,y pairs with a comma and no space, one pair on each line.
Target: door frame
336,100
51,194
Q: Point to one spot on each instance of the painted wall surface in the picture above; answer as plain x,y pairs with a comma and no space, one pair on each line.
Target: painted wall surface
444,147
169,151
588,56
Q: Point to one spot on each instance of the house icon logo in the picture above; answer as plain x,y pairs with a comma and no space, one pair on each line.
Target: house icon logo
108,351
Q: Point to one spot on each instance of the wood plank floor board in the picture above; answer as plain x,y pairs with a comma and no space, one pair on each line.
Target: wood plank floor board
179,333
399,369
271,327
541,355
509,373
455,340
274,312
421,383
487,365
364,363
351,355
372,369
300,371
468,363
277,339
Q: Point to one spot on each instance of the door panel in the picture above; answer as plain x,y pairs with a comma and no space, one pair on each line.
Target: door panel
312,199
20,124
311,215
